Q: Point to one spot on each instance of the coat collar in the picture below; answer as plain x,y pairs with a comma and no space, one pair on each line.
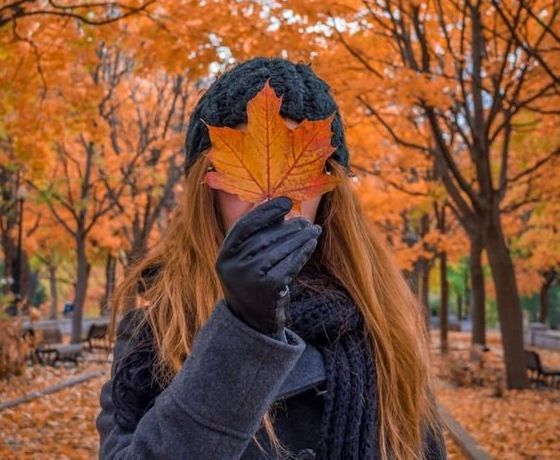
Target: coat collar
308,371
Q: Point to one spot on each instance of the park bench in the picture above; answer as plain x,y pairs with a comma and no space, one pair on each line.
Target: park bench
454,326
98,337
539,373
52,350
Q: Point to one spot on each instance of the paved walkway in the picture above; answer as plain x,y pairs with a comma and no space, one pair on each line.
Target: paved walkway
64,324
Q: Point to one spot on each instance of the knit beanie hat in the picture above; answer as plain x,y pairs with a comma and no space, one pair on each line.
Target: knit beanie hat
304,96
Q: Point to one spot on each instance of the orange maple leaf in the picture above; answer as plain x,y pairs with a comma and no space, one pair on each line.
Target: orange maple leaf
268,158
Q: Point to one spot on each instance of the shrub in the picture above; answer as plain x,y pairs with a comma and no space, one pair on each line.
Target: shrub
13,348
480,371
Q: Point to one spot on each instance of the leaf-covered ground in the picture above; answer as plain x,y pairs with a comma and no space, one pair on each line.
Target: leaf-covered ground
56,426
509,424
520,425
517,425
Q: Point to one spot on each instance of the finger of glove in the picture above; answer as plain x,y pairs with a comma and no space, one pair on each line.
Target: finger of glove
265,214
271,236
284,263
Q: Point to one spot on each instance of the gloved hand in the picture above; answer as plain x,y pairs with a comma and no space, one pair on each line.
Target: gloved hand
260,255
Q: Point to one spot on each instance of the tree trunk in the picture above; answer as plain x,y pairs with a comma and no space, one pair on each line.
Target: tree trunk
509,307
9,251
444,306
425,289
478,294
549,278
138,250
459,306
413,278
424,230
110,274
81,288
27,285
468,296
54,291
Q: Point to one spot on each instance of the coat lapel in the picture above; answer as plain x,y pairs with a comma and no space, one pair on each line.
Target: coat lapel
308,371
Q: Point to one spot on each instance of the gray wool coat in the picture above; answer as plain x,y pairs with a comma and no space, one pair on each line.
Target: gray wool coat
215,403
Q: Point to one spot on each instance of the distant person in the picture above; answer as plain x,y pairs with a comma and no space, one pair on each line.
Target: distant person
68,309
278,338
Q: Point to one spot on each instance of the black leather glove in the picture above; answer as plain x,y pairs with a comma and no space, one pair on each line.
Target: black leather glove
259,257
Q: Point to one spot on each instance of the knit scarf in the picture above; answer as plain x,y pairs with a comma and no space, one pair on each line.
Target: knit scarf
322,312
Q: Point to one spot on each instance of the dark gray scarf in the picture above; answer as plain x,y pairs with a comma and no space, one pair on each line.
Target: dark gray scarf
325,315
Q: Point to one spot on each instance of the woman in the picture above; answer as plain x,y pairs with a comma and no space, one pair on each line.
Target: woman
264,336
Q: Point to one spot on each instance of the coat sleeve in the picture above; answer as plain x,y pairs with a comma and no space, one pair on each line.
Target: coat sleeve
214,404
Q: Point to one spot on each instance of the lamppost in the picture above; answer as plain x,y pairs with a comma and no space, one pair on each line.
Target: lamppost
20,196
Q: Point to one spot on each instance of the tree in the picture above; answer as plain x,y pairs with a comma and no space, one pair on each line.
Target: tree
78,201
99,13
450,79
147,121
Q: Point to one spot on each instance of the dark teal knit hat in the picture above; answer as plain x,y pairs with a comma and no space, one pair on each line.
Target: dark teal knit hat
304,96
